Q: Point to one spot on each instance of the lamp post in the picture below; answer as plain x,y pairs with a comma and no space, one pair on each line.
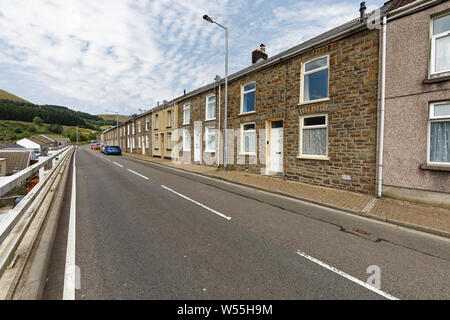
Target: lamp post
207,18
217,79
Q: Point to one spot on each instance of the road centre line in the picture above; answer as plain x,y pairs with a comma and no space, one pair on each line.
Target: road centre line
117,164
198,203
347,276
138,174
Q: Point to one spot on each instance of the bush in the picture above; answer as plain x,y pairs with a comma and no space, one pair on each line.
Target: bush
38,121
56,128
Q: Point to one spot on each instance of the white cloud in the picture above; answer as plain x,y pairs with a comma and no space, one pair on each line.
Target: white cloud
125,54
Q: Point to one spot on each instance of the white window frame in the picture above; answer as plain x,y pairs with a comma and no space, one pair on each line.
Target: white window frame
243,93
139,142
169,140
156,140
242,140
186,106
433,46
139,126
207,105
147,142
156,121
132,128
208,133
302,79
301,127
169,118
432,118
147,124
186,146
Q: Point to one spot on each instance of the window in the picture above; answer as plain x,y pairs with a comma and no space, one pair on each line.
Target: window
248,98
169,118
156,122
128,129
139,126
156,141
139,142
440,44
210,135
186,113
439,132
248,138
147,145
132,128
186,140
147,124
210,107
315,79
314,136
169,141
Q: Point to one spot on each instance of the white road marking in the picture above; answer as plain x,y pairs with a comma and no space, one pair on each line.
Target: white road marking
140,175
197,203
351,278
70,271
118,164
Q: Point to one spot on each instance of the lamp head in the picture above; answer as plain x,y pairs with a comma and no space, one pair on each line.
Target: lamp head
207,18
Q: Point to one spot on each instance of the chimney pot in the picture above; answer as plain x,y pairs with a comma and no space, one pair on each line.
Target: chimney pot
362,11
262,47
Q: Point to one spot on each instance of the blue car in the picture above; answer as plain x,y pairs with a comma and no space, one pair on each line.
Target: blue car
112,150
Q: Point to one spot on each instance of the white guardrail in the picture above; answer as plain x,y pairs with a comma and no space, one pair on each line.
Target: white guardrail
10,218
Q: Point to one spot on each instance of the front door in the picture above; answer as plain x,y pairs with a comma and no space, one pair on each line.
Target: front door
197,143
276,146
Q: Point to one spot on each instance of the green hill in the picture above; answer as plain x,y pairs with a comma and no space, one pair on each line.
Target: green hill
113,117
5,95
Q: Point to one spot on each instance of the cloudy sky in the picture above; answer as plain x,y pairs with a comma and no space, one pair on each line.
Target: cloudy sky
105,56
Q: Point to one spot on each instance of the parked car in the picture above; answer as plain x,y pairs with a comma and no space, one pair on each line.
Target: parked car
102,148
95,146
113,150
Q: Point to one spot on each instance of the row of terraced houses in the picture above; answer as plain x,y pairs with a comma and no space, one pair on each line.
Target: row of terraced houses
346,109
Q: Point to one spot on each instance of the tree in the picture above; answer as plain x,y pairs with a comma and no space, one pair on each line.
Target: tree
56,128
38,121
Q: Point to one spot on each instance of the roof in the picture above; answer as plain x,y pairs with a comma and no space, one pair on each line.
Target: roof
10,146
46,138
38,141
16,160
62,139
395,4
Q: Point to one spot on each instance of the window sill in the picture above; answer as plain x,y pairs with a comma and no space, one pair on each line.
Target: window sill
209,151
212,119
185,124
246,113
437,78
436,167
247,153
313,101
305,157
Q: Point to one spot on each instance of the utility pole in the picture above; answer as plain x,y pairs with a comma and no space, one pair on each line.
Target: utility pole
117,127
77,135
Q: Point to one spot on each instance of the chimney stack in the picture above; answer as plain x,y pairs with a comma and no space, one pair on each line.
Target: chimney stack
259,55
362,11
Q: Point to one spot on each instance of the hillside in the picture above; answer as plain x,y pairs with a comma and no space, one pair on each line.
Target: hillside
16,130
113,117
5,95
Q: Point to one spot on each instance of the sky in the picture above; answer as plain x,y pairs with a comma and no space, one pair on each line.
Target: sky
108,56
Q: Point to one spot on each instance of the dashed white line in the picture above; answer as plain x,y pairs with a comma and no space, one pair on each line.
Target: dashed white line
117,164
351,278
70,270
140,175
197,203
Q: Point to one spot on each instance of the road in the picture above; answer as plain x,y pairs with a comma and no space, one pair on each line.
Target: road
144,231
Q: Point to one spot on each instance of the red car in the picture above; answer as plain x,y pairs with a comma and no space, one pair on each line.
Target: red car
95,147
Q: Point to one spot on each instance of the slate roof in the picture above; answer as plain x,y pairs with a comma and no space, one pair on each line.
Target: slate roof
15,159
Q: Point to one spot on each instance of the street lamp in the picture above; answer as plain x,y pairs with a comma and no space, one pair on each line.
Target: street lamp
207,18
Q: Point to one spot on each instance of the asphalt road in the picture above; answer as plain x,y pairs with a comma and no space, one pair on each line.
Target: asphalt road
144,231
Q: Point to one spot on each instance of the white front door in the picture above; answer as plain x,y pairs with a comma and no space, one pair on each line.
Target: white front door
197,143
276,146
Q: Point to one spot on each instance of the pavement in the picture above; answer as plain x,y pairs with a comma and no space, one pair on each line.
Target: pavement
147,231
424,218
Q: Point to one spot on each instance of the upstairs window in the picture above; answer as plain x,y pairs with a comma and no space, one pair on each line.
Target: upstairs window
169,118
156,122
440,44
439,142
210,107
248,97
147,124
315,79
186,113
